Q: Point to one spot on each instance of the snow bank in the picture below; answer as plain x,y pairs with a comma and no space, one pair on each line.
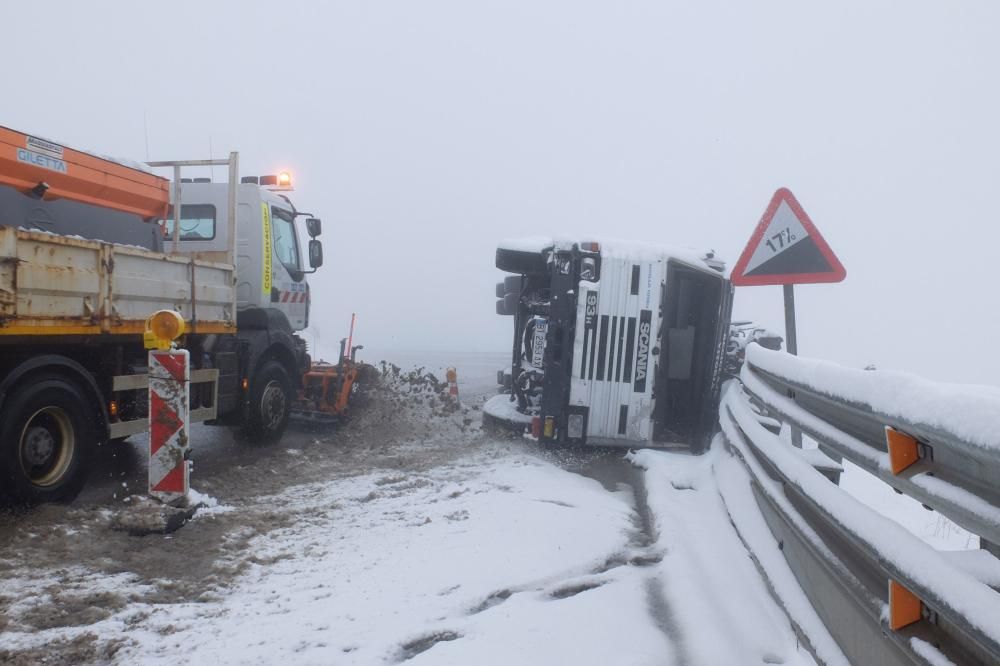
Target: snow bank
734,485
970,412
503,408
707,576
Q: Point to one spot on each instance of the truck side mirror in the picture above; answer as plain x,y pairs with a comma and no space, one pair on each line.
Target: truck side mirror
314,226
315,253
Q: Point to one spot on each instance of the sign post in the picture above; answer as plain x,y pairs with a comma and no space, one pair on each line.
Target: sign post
786,248
791,341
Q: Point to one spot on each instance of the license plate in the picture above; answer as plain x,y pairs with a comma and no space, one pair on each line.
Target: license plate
538,343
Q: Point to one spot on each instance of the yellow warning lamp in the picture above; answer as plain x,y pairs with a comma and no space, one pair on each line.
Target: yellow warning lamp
162,328
284,179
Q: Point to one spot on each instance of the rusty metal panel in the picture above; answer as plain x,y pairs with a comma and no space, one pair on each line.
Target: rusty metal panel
51,283
144,282
8,273
58,278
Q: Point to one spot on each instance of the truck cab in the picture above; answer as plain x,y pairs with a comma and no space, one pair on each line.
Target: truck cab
271,264
614,343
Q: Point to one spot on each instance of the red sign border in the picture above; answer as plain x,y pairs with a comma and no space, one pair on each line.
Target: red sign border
784,194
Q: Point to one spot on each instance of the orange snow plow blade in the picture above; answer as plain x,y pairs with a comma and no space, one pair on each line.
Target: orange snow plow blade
326,389
52,171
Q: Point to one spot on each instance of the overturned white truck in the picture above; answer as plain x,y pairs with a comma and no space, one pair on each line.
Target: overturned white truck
615,343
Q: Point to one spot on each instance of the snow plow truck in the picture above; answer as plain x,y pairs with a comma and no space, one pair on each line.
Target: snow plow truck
614,343
90,248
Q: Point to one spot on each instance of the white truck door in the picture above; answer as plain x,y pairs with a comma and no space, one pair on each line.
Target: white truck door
288,284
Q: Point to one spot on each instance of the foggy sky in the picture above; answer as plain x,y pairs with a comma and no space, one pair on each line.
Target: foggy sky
424,132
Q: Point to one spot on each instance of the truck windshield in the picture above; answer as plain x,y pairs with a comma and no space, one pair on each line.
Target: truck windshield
197,222
286,245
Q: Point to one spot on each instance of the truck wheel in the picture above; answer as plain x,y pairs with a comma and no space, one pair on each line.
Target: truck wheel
518,261
46,439
270,403
512,284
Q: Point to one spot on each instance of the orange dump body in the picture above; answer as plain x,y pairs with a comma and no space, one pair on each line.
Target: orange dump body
26,161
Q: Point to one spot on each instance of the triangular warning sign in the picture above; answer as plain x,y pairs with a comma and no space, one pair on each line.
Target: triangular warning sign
786,248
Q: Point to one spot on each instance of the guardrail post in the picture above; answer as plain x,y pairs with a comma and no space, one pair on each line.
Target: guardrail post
169,414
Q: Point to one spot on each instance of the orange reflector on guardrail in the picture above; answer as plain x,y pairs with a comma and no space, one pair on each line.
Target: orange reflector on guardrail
904,606
903,449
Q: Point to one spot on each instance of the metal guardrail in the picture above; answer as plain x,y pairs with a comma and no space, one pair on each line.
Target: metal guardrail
885,596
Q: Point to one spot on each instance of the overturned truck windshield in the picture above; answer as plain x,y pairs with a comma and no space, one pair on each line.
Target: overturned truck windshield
614,343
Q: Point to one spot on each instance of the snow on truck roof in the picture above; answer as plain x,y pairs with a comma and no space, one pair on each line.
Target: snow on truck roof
704,260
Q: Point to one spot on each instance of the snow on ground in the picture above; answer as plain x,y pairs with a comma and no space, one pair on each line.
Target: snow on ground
430,543
723,612
500,558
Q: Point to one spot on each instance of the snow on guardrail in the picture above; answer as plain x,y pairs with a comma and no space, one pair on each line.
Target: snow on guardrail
948,472
886,596
971,413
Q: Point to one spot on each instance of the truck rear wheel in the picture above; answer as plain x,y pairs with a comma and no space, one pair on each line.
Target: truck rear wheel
270,403
46,440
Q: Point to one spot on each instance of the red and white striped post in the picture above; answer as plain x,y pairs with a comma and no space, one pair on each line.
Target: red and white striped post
452,375
169,413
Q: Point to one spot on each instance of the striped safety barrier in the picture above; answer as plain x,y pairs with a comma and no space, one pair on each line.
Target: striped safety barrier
169,404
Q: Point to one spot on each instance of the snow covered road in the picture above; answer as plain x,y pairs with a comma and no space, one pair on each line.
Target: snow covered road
443,546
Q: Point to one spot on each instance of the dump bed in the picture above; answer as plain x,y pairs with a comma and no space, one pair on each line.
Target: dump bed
64,285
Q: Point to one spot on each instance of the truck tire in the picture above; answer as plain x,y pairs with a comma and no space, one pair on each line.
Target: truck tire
518,261
507,306
271,397
512,285
47,436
